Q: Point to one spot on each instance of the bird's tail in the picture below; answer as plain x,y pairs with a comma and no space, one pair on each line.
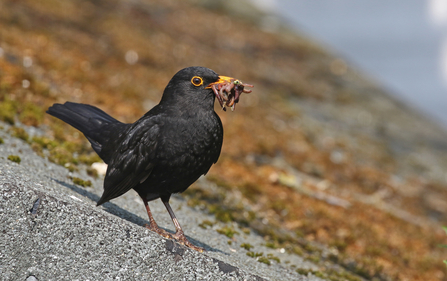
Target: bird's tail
94,123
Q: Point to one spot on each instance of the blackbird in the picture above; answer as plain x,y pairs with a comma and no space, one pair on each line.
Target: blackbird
162,153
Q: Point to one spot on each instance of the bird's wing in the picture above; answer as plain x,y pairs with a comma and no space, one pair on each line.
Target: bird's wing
133,160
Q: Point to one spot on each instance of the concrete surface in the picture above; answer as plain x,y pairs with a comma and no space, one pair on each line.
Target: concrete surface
51,230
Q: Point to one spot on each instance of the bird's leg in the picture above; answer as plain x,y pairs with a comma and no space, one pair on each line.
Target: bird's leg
179,235
152,224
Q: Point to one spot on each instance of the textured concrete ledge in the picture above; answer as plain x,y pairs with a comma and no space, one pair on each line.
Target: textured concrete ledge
50,238
51,230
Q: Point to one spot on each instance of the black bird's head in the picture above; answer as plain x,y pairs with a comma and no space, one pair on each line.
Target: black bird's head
190,88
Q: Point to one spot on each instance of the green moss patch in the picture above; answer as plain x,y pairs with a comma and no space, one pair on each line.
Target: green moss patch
246,246
27,112
271,245
92,172
273,257
227,231
31,114
19,133
205,224
8,110
264,260
254,255
15,158
81,182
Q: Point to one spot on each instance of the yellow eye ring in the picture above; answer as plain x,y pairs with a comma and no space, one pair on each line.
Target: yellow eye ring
197,81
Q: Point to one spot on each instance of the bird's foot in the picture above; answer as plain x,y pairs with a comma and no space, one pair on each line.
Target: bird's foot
158,230
180,237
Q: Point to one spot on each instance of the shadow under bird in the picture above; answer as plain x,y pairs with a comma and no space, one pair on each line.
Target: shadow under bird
167,149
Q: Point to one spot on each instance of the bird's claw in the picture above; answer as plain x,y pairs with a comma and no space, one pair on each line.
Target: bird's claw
158,230
180,237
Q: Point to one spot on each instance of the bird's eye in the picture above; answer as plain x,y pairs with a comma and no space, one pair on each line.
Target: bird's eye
197,81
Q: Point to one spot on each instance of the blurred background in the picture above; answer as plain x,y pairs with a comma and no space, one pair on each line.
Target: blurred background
327,158
401,44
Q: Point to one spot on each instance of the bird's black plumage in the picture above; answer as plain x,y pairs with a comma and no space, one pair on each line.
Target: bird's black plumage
163,152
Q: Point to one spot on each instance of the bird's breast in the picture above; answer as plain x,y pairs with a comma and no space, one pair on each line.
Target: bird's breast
192,139
189,147
186,149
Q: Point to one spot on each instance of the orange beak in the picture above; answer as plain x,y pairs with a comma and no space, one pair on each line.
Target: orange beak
222,79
